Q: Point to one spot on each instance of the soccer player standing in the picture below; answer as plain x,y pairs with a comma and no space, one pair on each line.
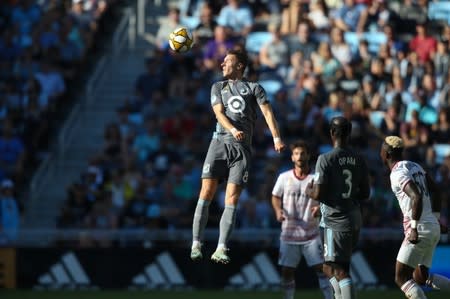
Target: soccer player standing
340,183
299,217
234,101
418,197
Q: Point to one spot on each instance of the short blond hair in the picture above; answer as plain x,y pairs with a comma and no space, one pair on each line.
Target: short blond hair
394,142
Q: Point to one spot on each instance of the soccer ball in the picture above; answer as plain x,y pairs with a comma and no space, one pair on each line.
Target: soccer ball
180,40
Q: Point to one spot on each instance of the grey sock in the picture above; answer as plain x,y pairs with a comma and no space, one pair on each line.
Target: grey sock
347,289
227,223
200,219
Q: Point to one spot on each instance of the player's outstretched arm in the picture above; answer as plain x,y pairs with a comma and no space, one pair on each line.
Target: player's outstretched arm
267,112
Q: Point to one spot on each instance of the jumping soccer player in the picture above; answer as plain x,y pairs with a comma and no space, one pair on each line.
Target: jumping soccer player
234,101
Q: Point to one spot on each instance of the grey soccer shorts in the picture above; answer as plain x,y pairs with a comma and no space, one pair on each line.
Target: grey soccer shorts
338,246
227,161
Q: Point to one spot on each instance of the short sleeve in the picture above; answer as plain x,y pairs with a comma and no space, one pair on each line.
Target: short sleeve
399,179
320,173
278,188
216,97
260,95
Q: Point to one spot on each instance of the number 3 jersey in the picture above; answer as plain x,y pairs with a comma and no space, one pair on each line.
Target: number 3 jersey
345,179
402,173
240,99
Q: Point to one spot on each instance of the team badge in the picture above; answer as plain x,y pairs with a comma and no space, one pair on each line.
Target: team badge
236,104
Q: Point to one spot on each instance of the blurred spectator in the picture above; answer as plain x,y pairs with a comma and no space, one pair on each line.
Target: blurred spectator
339,48
375,17
172,23
441,129
237,16
274,55
302,41
423,44
9,214
324,62
349,17
290,16
12,152
205,30
318,15
216,49
154,79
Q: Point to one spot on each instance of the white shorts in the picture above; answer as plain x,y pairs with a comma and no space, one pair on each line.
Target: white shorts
422,252
291,254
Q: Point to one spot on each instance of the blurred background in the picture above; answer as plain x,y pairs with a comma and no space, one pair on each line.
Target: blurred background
103,131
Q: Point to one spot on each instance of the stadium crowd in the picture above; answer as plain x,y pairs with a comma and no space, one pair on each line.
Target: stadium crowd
44,44
381,64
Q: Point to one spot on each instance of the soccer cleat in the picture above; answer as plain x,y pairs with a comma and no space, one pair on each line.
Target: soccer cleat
196,252
220,256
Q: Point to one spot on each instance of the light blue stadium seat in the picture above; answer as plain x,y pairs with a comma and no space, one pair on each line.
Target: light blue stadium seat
375,40
376,118
352,39
190,22
442,150
271,86
255,40
439,11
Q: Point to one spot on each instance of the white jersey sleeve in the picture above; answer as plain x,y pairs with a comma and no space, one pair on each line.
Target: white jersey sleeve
403,173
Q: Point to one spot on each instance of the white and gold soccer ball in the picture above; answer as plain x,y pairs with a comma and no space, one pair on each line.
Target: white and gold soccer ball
180,40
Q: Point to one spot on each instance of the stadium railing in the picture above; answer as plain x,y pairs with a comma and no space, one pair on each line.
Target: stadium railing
49,237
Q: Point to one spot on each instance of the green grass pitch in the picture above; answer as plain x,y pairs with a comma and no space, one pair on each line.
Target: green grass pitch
374,294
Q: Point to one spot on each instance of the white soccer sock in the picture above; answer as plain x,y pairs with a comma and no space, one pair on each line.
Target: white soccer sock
289,289
347,289
439,282
325,286
337,290
412,290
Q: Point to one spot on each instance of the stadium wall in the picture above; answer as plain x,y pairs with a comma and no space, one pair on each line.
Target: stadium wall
169,267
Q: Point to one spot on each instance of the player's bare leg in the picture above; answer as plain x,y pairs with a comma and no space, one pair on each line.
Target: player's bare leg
208,189
232,193
288,282
404,280
435,281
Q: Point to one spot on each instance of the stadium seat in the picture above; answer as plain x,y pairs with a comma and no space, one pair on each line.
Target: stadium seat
376,118
442,151
439,11
271,86
255,40
190,22
375,39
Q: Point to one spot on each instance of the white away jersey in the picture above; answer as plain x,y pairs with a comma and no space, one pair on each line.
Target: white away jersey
402,173
299,225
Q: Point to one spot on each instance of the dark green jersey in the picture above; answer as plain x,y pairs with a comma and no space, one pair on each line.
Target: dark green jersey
344,180
240,99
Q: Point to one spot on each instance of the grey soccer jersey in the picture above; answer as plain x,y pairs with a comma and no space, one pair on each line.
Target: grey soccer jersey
240,99
346,178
